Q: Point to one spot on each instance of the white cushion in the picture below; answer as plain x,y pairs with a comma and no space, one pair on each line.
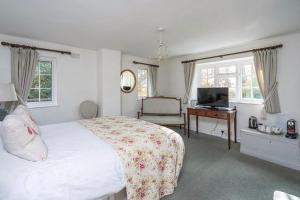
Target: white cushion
20,139
161,105
278,195
163,120
24,113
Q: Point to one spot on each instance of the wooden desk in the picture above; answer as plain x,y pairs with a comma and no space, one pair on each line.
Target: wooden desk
213,113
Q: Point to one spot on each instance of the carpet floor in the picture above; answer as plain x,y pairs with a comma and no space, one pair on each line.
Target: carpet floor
212,172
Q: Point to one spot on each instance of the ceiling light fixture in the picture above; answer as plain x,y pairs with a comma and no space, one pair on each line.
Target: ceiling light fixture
162,51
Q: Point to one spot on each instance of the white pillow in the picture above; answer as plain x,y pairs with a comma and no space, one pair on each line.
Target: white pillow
24,113
20,139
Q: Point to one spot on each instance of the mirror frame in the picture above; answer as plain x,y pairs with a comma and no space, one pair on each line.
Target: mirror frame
134,77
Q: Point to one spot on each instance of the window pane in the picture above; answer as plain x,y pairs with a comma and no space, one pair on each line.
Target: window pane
247,70
256,93
45,67
203,73
33,95
254,81
227,70
232,93
227,82
46,81
41,88
247,76
35,82
210,82
246,93
46,94
222,82
250,87
232,82
203,83
210,72
142,83
207,77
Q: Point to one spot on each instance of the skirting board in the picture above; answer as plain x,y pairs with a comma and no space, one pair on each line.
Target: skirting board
217,133
272,160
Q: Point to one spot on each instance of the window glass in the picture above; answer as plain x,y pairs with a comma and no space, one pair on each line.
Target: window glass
142,83
41,87
237,74
250,88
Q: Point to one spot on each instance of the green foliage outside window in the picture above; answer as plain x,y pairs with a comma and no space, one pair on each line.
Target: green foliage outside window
41,88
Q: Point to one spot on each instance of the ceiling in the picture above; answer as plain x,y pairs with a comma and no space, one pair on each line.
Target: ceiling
130,25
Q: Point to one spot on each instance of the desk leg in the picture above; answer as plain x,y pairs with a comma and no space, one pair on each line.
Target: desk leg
188,124
197,124
228,126
235,128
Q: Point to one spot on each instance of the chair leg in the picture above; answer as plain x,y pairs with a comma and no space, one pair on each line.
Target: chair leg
184,127
179,126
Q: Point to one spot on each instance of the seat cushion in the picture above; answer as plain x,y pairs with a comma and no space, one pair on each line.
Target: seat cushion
163,120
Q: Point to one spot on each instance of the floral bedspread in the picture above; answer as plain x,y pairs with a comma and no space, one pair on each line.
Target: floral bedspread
152,155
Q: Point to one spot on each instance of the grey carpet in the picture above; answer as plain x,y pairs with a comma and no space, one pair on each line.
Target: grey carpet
211,172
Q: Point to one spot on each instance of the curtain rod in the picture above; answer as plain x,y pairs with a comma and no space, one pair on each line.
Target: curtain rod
34,48
135,62
229,54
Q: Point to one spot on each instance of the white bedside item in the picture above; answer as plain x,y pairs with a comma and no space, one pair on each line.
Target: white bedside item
278,195
273,148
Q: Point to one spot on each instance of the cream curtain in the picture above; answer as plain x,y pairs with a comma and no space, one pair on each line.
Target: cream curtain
152,81
23,66
265,62
189,74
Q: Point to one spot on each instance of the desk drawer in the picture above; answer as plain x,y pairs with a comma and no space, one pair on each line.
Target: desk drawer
192,111
218,115
197,112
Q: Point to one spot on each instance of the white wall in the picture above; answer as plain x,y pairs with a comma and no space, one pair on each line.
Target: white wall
94,75
77,79
171,83
130,102
109,95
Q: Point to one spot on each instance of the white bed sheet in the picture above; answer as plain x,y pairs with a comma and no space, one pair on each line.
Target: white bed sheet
79,166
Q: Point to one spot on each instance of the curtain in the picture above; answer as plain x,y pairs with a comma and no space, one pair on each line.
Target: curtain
152,81
23,66
265,62
189,72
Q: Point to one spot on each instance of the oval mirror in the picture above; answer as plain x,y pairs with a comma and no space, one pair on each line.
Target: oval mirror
127,81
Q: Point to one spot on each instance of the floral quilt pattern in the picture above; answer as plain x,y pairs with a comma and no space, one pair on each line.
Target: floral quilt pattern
151,155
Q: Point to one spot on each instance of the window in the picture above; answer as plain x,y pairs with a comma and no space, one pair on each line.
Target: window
42,91
236,74
142,83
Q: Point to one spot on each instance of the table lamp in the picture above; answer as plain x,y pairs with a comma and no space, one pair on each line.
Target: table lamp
7,93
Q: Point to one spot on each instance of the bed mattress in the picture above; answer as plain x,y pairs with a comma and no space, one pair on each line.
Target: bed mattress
79,166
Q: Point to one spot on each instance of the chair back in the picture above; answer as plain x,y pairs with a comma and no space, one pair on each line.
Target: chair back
161,106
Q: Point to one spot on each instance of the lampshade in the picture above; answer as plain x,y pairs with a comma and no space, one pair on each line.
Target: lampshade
7,92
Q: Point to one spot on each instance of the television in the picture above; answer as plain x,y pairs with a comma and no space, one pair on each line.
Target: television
213,97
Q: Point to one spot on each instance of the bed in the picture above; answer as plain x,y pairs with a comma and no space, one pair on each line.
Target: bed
91,159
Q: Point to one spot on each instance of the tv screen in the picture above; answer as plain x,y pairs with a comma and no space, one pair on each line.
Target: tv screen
213,97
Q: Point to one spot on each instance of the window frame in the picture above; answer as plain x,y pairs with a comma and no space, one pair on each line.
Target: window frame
147,69
53,102
239,63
